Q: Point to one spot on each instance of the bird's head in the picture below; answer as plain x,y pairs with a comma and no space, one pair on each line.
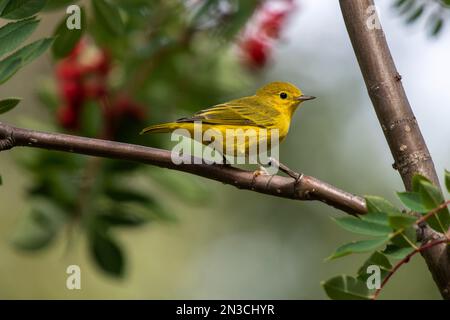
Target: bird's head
283,94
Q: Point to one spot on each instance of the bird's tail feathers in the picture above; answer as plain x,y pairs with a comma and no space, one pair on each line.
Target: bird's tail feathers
161,128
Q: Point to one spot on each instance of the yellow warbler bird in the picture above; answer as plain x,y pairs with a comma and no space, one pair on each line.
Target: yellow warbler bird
272,107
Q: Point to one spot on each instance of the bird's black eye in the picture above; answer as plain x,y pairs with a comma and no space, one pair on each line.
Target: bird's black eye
283,95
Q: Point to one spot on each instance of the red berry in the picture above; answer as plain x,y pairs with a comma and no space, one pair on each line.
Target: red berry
256,51
263,29
67,70
68,117
103,65
73,92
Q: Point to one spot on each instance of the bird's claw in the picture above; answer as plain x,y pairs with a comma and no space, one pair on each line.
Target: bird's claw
260,172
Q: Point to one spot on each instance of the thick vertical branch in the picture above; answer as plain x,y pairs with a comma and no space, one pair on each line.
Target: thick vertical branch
395,115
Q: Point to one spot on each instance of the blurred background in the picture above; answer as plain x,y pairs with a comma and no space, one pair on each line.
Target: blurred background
191,238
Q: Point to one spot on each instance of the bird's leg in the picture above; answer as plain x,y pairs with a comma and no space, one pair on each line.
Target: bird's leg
225,161
285,169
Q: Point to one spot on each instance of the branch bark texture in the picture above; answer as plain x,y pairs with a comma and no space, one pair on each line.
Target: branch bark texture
395,115
304,188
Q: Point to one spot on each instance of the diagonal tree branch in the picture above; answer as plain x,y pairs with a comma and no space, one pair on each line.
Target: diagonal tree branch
396,117
304,188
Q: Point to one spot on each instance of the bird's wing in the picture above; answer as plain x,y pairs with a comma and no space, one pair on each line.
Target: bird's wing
240,112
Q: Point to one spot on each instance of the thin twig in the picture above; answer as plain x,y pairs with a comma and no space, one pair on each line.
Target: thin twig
433,212
406,260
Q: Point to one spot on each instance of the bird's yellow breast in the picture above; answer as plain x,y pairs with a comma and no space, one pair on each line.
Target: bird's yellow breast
241,140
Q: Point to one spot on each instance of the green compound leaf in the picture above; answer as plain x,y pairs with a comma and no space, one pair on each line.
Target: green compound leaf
363,227
358,247
346,288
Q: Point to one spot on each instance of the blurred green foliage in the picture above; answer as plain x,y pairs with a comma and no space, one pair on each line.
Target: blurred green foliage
435,12
160,55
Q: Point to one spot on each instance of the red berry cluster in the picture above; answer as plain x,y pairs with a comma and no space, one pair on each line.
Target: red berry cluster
263,30
82,76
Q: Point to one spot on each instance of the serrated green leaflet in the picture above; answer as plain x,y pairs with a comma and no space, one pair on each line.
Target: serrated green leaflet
412,201
380,218
378,204
14,33
364,227
7,70
358,247
346,288
10,65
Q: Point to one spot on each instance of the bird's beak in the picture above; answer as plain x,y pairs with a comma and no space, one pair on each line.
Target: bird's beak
305,98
